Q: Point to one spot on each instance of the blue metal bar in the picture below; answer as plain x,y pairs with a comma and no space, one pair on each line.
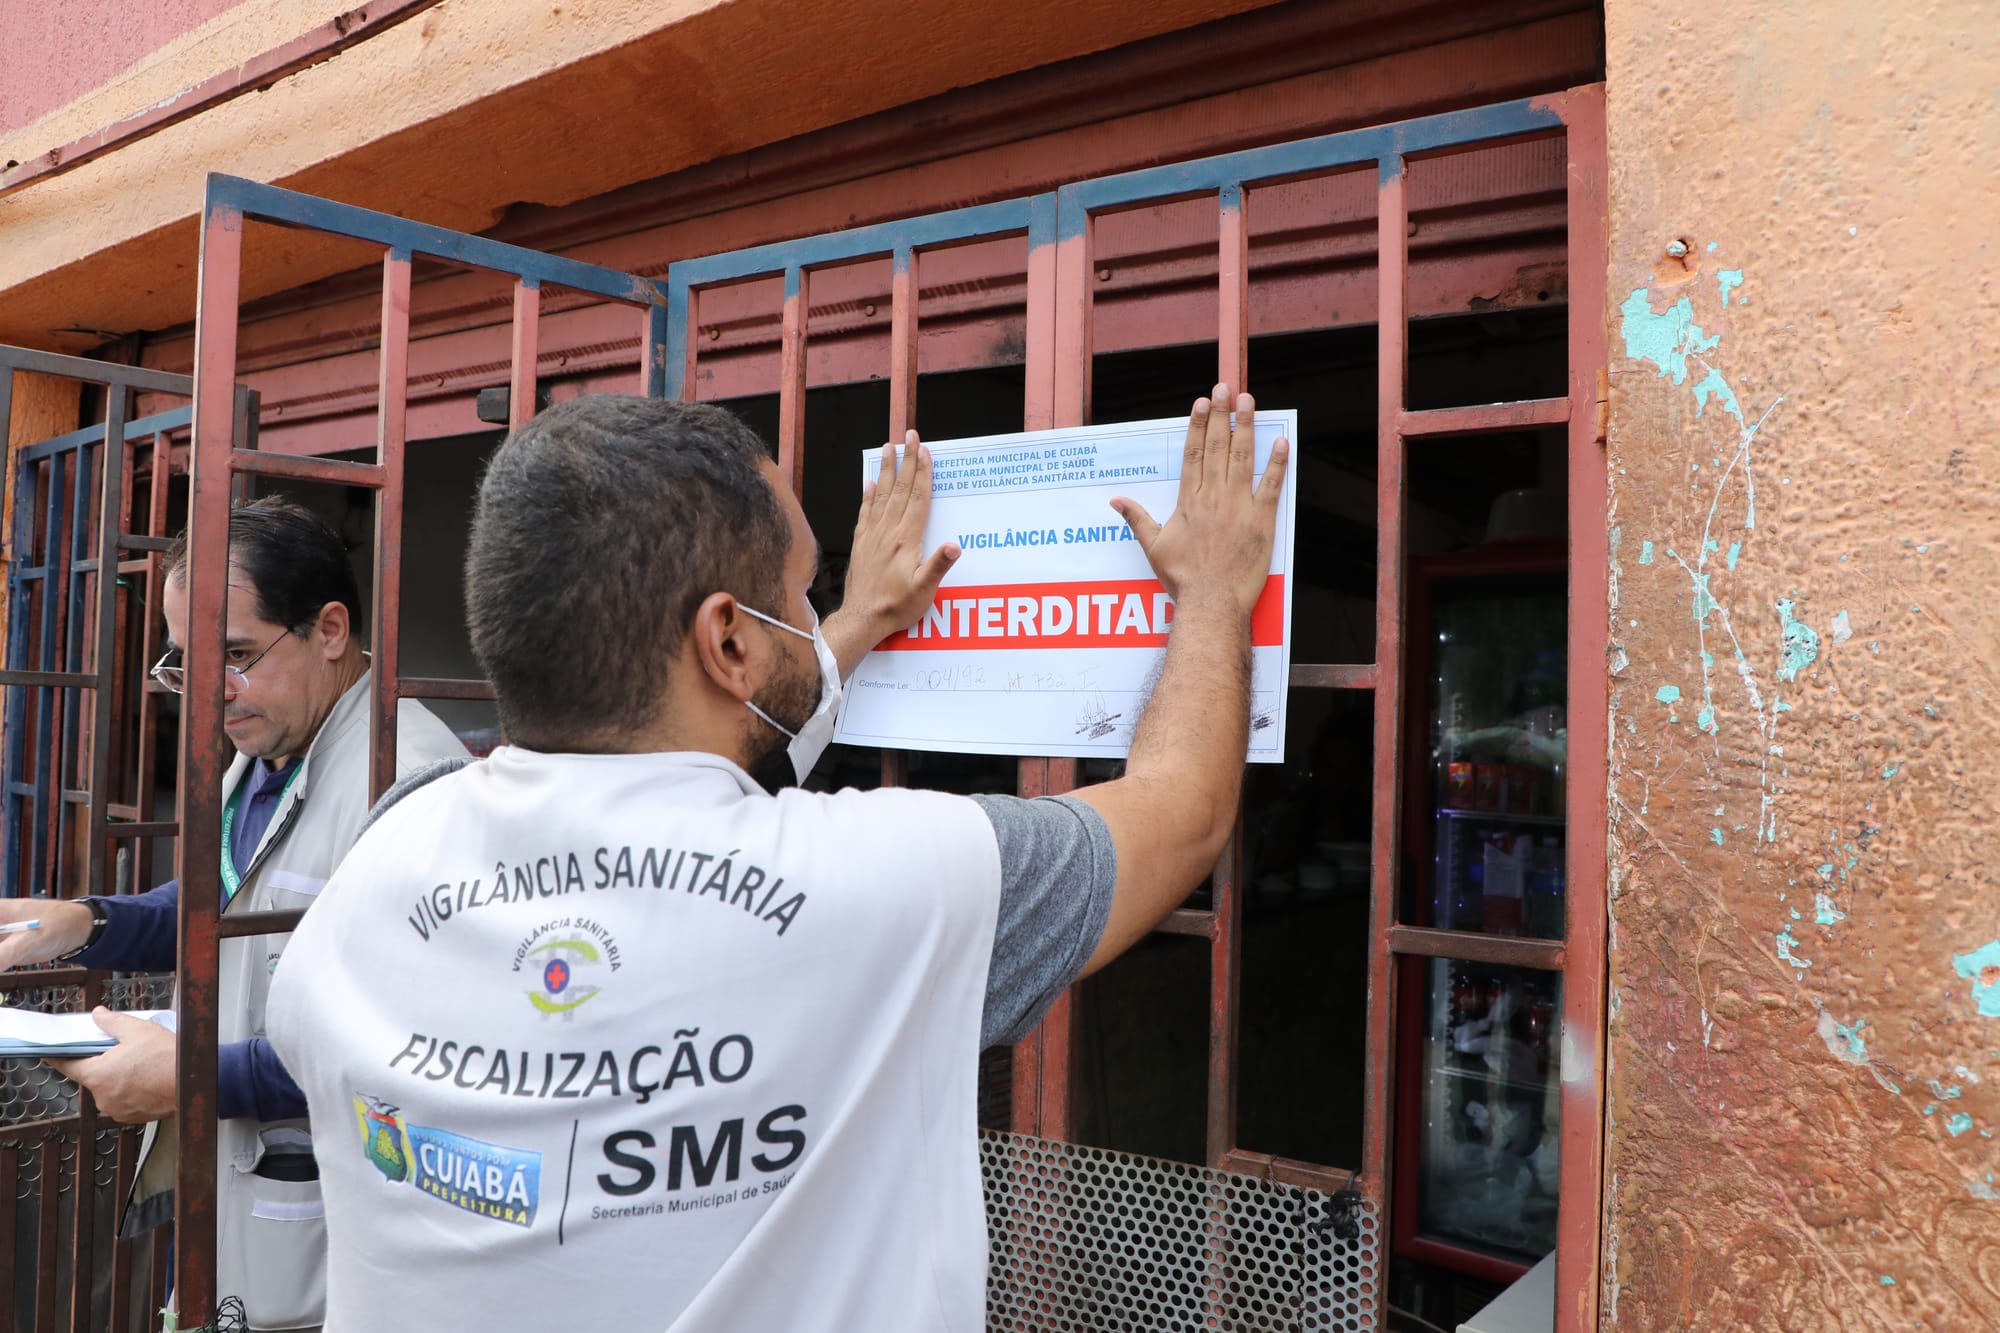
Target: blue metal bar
288,208
881,238
1349,148
111,516
180,418
52,547
680,305
93,372
16,810
659,341
68,700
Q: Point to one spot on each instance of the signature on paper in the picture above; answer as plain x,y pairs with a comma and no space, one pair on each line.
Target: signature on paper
1094,722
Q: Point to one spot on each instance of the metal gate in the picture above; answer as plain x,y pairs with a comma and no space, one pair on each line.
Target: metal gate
1247,1240
78,811
1045,1269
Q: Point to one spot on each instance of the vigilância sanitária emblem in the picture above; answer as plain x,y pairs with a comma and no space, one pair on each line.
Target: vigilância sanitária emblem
563,975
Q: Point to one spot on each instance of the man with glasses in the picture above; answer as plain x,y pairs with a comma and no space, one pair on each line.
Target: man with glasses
295,692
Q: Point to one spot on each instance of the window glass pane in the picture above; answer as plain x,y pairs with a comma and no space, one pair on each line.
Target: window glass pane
1139,1072
1301,1061
1497,769
1490,1090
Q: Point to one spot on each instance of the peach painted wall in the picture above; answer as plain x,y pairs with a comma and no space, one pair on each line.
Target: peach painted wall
1805,453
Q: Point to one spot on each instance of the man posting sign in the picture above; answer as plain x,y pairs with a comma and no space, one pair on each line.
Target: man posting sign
615,1035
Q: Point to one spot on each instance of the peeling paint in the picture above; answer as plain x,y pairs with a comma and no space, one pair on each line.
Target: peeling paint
1840,627
1714,386
1982,968
1801,641
1666,339
1645,552
1845,1042
1787,943
1735,551
1668,694
1958,1124
1716,834
1824,912
1728,279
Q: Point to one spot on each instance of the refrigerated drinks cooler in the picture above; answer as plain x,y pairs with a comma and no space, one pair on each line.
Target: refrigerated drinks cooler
1484,844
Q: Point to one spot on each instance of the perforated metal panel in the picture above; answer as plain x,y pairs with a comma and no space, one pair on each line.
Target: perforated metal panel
1084,1238
29,1089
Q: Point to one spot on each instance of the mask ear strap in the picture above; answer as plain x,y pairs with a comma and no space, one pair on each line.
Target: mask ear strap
776,725
779,624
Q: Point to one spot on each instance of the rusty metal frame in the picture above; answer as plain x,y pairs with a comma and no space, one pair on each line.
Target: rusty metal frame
59,796
82,504
217,464
1060,229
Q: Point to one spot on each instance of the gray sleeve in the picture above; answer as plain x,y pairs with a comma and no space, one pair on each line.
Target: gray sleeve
1057,872
421,777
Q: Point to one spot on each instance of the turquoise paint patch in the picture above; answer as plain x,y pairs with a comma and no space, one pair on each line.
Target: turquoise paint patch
1891,770
1645,553
1728,279
1716,834
1712,246
1970,965
1801,641
1712,385
1705,719
1888,1281
1667,694
1735,550
1824,912
1668,339
1788,943
1857,1046
1708,661
1703,603
1958,1124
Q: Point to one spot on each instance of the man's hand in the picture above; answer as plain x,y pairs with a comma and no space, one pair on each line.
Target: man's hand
133,1082
1218,540
889,582
65,926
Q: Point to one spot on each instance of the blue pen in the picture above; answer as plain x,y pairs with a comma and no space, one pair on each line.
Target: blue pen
20,926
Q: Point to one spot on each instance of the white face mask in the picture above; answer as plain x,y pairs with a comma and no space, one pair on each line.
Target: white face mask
809,742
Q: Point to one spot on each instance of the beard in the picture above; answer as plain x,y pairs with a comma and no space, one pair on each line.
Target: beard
791,698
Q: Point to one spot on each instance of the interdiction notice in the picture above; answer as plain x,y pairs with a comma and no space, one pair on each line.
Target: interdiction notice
1049,631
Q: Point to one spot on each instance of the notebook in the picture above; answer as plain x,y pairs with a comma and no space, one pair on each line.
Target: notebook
26,1035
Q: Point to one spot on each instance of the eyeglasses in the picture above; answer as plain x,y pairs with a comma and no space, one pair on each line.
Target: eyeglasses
175,678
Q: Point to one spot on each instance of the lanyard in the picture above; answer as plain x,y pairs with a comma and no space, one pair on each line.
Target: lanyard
231,881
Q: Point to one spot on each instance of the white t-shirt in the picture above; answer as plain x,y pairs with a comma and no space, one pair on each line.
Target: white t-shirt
620,1042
